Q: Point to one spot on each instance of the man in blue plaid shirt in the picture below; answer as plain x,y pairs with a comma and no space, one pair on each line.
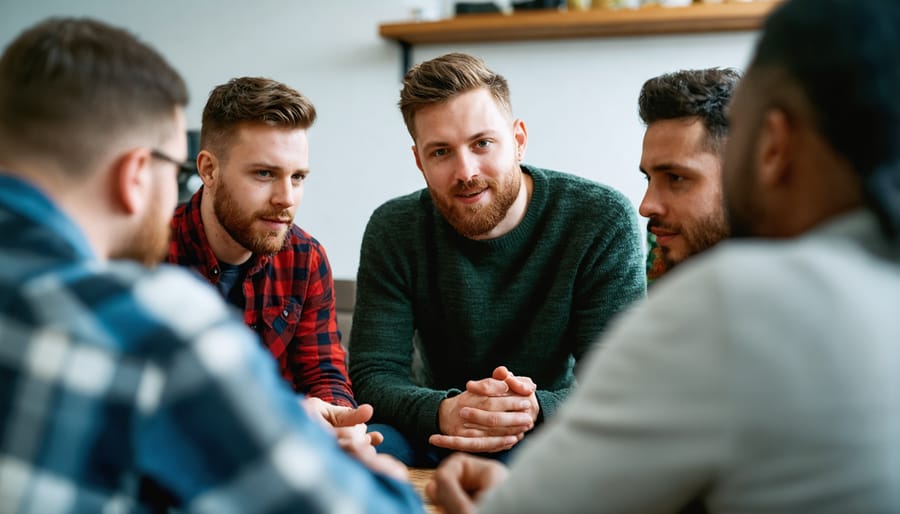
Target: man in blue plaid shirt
126,389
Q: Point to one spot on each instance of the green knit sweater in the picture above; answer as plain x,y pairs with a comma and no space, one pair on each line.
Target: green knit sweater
534,299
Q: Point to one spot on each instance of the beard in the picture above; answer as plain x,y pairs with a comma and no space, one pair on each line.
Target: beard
240,226
700,236
475,220
149,244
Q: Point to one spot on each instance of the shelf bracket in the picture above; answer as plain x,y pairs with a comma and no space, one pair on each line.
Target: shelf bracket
405,58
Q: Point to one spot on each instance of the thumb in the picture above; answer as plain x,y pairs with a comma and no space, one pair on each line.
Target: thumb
346,417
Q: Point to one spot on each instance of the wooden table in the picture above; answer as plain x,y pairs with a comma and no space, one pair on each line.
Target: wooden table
419,477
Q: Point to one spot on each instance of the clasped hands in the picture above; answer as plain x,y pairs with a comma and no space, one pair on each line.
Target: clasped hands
349,426
491,415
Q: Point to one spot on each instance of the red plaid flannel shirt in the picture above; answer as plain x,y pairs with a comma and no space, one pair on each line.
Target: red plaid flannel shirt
289,303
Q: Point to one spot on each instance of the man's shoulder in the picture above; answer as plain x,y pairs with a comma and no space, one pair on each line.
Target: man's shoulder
299,248
750,271
408,211
187,230
299,238
122,303
184,210
165,292
580,190
405,205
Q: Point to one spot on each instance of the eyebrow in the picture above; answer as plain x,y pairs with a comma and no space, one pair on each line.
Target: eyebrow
474,137
269,166
667,167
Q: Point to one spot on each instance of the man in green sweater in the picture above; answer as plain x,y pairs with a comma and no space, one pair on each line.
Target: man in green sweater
500,275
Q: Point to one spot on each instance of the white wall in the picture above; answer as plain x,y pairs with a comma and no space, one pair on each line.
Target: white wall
577,97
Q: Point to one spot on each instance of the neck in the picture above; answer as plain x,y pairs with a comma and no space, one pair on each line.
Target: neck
84,201
823,189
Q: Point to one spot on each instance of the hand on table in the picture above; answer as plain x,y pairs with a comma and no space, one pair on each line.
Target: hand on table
491,415
461,479
349,426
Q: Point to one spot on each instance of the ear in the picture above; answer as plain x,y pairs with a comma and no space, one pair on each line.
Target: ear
207,167
775,148
520,133
131,182
415,152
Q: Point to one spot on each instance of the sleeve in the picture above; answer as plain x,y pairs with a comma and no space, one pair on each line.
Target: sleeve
647,428
221,430
316,355
381,350
610,280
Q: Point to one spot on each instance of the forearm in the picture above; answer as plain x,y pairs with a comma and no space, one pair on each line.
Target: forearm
319,368
332,386
318,357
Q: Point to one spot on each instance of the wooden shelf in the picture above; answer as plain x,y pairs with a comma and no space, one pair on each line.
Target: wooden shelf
530,25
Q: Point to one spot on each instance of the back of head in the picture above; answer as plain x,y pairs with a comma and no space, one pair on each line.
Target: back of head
702,94
71,89
440,79
251,100
844,55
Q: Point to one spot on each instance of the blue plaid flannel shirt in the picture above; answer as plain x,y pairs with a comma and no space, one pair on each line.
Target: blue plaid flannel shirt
124,389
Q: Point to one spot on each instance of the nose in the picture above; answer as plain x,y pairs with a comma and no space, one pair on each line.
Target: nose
466,167
651,206
284,194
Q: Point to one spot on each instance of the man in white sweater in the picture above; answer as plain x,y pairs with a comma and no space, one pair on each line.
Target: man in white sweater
763,376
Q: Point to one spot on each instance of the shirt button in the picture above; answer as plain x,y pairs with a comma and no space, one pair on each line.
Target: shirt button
214,272
285,313
253,327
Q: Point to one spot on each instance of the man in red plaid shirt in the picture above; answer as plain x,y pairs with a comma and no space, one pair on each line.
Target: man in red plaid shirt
238,232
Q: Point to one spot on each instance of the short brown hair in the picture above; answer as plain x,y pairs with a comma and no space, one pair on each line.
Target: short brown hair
701,93
253,100
445,77
69,86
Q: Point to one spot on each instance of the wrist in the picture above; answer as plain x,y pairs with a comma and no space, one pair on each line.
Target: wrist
445,411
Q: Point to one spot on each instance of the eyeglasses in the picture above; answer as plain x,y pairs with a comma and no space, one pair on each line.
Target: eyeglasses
184,167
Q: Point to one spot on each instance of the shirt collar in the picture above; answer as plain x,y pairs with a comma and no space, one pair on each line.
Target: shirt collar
30,202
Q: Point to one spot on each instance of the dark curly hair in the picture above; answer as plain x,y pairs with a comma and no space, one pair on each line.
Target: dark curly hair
691,93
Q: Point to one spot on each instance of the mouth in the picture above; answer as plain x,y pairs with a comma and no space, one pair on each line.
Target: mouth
276,222
662,235
470,196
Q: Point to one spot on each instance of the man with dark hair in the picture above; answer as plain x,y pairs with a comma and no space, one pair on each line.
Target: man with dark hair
497,267
773,389
238,231
682,160
124,388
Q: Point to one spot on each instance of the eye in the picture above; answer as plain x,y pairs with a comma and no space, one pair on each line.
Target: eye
482,143
440,152
264,173
299,177
675,178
